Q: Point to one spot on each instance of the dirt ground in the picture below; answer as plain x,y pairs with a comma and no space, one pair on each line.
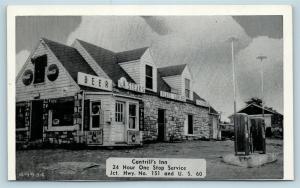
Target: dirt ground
32,164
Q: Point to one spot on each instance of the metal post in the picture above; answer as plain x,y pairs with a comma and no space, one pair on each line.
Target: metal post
232,39
261,58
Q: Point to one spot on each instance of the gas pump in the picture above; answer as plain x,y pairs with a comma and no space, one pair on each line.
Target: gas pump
249,134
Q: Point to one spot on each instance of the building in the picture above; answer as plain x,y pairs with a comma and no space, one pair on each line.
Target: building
273,119
87,94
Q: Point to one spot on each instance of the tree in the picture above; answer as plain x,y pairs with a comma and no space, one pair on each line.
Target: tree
254,100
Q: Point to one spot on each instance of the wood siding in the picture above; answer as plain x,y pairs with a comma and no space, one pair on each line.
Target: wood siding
113,133
148,60
133,69
186,74
63,86
175,82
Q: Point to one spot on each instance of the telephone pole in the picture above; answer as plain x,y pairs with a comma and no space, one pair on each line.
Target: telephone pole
232,40
261,58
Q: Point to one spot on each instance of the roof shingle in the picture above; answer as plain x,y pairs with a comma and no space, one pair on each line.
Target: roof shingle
69,58
171,70
107,61
130,55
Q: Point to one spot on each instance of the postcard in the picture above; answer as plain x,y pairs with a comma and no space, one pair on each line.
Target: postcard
150,92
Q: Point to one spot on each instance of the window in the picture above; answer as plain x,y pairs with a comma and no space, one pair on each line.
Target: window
119,115
190,124
95,120
20,115
62,112
132,116
39,69
187,88
149,77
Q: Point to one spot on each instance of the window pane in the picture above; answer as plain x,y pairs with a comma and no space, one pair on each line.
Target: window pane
187,93
149,83
40,64
187,84
119,114
132,122
132,110
20,116
96,121
96,106
62,113
149,71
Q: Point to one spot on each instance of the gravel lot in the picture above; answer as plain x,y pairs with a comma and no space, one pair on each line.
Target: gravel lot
40,164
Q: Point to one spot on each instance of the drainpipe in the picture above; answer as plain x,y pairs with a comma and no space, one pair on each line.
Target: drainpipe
82,112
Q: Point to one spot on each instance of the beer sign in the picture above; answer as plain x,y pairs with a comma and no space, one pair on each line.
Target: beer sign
94,81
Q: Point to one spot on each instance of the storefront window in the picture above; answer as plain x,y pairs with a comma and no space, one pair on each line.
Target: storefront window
132,116
40,64
20,115
119,116
149,77
96,114
62,113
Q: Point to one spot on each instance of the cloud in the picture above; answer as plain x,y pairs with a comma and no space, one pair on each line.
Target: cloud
21,59
249,71
199,41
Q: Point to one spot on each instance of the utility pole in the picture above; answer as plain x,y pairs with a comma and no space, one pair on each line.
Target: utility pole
232,40
261,58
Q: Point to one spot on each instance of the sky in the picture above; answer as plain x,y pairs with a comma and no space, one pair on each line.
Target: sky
199,41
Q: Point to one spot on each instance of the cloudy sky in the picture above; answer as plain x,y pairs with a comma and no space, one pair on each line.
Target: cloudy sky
199,41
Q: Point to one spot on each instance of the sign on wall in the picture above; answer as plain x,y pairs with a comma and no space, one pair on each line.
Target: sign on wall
122,83
27,77
201,103
172,96
94,81
52,72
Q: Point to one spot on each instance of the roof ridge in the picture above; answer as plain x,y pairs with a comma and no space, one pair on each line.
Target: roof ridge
134,49
94,45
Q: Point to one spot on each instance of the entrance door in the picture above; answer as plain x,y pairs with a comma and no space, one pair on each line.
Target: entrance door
161,125
36,120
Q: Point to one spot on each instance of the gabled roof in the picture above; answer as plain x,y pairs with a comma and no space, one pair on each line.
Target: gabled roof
172,70
69,58
107,60
161,84
130,55
212,110
197,97
254,109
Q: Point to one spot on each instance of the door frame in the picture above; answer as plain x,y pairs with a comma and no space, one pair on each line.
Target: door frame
164,124
30,132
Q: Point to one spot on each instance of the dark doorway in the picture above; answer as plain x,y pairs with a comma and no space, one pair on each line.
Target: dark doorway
36,120
190,124
161,125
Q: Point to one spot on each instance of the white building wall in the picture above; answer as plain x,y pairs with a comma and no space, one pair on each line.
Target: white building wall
63,86
175,82
187,75
133,70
